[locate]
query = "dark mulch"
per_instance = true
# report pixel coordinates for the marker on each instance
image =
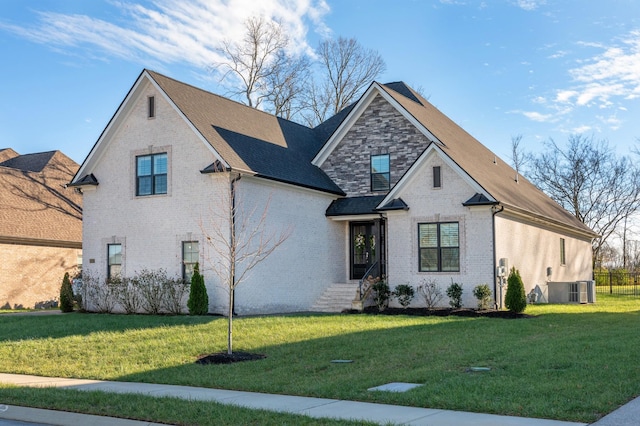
(442, 312)
(225, 358)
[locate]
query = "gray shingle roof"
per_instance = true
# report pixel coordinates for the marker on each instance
(249, 139)
(482, 165)
(35, 204)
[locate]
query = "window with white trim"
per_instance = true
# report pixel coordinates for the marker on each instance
(563, 255)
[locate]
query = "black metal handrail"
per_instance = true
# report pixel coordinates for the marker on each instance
(364, 277)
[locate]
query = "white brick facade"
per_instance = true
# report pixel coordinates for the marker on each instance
(151, 228)
(316, 253)
(428, 204)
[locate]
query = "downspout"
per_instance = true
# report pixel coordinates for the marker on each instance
(494, 212)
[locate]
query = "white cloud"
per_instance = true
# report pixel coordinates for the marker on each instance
(581, 129)
(611, 74)
(168, 31)
(539, 117)
(558, 54)
(530, 4)
(604, 80)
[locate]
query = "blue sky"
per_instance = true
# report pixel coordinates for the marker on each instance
(537, 68)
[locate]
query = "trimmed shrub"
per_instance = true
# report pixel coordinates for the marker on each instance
(404, 293)
(515, 300)
(198, 303)
(66, 294)
(482, 292)
(381, 294)
(430, 292)
(454, 291)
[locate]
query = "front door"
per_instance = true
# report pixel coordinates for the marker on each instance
(363, 248)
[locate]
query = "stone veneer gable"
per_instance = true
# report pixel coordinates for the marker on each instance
(381, 129)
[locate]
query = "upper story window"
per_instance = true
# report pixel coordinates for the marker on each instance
(151, 111)
(151, 174)
(437, 177)
(380, 177)
(563, 256)
(114, 260)
(439, 247)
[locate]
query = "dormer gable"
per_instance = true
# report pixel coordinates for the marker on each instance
(374, 146)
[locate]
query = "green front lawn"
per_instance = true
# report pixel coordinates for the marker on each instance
(570, 362)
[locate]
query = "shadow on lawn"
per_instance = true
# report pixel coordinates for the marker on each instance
(14, 328)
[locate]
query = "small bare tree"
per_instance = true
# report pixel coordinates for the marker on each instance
(346, 69)
(238, 237)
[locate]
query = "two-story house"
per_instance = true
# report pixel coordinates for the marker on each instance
(390, 181)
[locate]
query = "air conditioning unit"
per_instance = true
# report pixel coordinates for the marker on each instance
(578, 292)
(571, 292)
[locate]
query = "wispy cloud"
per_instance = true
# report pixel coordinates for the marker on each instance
(169, 31)
(530, 4)
(614, 73)
(604, 81)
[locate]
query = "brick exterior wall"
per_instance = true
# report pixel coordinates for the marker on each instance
(428, 204)
(32, 275)
(381, 129)
(152, 228)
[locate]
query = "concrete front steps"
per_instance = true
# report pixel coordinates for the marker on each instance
(336, 298)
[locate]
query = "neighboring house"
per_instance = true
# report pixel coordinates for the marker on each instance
(390, 181)
(40, 227)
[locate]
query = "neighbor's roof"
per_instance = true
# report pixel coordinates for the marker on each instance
(35, 206)
(251, 140)
(482, 165)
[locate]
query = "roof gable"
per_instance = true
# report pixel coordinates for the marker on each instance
(375, 89)
(240, 138)
(37, 207)
(29, 162)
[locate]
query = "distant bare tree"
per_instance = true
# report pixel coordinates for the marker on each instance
(238, 237)
(589, 180)
(346, 69)
(263, 73)
(519, 158)
(286, 86)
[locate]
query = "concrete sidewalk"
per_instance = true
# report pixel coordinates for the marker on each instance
(312, 407)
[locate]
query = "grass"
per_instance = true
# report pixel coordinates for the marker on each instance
(570, 362)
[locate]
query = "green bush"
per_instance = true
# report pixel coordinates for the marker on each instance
(198, 303)
(404, 293)
(482, 292)
(66, 294)
(516, 299)
(454, 291)
(381, 294)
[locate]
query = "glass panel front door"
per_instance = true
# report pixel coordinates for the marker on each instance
(363, 248)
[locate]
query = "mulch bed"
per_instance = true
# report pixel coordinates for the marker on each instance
(225, 358)
(442, 312)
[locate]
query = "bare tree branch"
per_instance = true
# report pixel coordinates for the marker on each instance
(589, 180)
(346, 69)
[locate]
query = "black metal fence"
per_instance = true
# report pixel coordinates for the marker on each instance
(617, 282)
